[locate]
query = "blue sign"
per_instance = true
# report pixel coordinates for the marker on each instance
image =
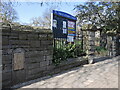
(63, 14)
(63, 25)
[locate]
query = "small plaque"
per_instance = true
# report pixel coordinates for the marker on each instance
(18, 59)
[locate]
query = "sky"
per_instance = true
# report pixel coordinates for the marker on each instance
(28, 10)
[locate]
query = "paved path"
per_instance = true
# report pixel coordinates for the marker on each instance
(102, 74)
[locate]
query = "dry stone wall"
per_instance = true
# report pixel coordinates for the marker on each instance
(25, 55)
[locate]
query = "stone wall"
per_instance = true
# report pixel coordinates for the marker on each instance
(25, 55)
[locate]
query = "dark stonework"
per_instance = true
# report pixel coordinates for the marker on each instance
(37, 56)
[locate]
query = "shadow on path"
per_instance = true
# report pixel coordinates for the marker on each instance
(100, 59)
(45, 77)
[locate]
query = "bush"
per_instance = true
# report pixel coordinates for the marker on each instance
(67, 51)
(59, 55)
(101, 50)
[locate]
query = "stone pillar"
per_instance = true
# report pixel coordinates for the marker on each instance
(114, 46)
(111, 45)
(89, 44)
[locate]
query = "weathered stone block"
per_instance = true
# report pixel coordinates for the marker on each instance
(32, 65)
(5, 40)
(42, 36)
(19, 43)
(44, 42)
(43, 63)
(13, 35)
(43, 47)
(47, 62)
(18, 76)
(32, 60)
(47, 43)
(35, 48)
(50, 67)
(6, 32)
(35, 43)
(6, 50)
(33, 36)
(46, 52)
(24, 42)
(14, 42)
(33, 71)
(6, 76)
(50, 57)
(34, 54)
(32, 76)
(43, 68)
(22, 36)
(15, 46)
(6, 84)
(6, 59)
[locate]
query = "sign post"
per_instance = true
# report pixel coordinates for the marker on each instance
(63, 25)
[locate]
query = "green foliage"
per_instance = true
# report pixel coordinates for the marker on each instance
(59, 55)
(70, 50)
(66, 51)
(104, 15)
(101, 50)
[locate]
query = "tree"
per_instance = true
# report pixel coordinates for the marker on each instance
(35, 21)
(45, 21)
(104, 15)
(7, 12)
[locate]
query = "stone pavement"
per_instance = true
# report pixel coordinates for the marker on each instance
(103, 74)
